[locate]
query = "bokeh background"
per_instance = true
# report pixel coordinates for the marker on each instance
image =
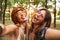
(6, 7)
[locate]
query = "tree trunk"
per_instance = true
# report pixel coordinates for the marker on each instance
(4, 12)
(1, 10)
(55, 15)
(46, 3)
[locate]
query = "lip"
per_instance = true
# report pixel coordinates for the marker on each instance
(34, 19)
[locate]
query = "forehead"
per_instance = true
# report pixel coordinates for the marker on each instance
(43, 11)
(21, 12)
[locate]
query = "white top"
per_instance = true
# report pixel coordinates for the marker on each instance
(21, 30)
(19, 37)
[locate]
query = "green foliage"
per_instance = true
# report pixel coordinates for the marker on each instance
(36, 2)
(49, 6)
(7, 15)
(9, 3)
(43, 3)
(58, 12)
(16, 1)
(50, 0)
(1, 0)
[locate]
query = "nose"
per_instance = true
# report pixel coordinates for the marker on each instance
(23, 16)
(37, 15)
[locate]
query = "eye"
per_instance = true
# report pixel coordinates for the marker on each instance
(41, 15)
(21, 15)
(39, 12)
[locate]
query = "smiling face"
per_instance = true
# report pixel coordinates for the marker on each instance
(38, 17)
(21, 16)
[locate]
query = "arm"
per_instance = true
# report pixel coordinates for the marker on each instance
(8, 29)
(0, 30)
(52, 34)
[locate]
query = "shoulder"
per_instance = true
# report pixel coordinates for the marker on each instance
(12, 26)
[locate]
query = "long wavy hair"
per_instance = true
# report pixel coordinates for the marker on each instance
(47, 19)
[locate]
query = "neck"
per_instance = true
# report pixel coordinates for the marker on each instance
(39, 27)
(23, 24)
(20, 24)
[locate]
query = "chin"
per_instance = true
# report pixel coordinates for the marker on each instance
(35, 22)
(23, 21)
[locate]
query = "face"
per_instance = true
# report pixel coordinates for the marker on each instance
(38, 17)
(21, 16)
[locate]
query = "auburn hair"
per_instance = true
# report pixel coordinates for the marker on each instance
(14, 14)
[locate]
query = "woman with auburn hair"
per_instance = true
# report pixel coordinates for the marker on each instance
(15, 13)
(17, 30)
(40, 28)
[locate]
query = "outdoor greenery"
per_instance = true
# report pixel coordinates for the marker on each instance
(50, 4)
(6, 7)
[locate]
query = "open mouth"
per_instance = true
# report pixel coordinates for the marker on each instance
(35, 19)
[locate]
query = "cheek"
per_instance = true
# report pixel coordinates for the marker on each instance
(19, 17)
(41, 19)
(33, 15)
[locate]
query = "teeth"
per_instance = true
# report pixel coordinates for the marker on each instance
(35, 18)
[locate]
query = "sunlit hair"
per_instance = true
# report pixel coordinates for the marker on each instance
(14, 14)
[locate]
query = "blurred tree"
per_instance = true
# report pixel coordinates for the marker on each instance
(1, 10)
(9, 5)
(36, 2)
(5, 5)
(59, 13)
(50, 5)
(54, 13)
(46, 3)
